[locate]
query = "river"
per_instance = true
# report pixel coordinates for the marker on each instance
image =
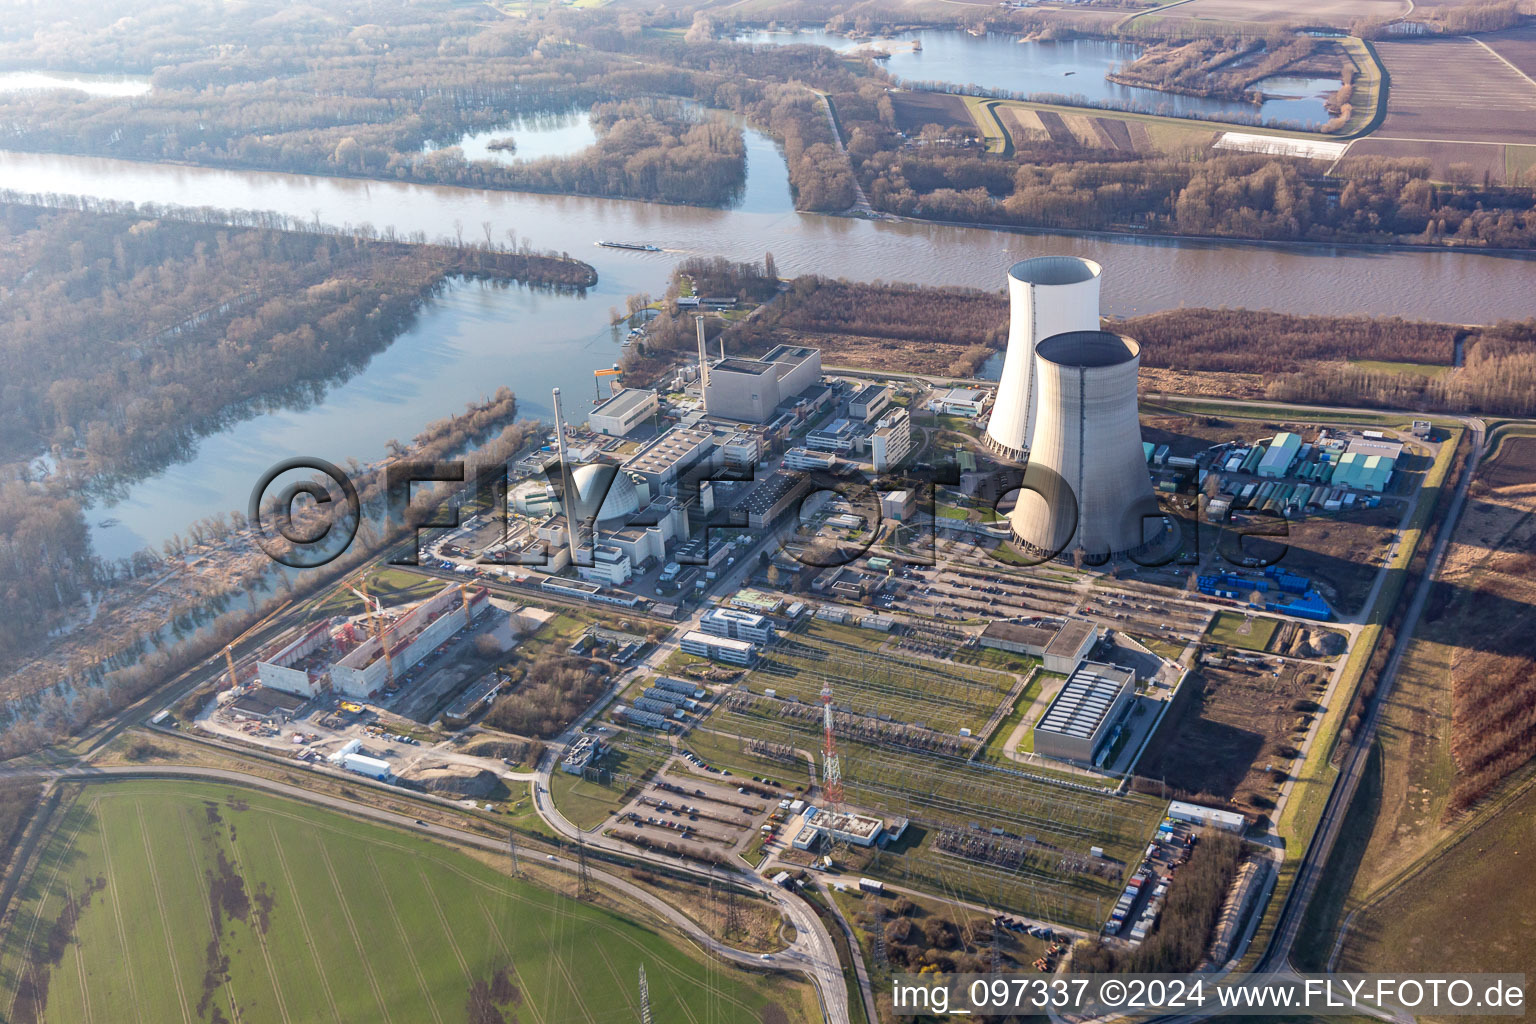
(477, 337)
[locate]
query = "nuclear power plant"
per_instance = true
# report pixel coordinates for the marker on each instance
(1047, 295)
(1087, 491)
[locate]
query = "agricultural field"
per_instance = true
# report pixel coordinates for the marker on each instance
(1454, 89)
(936, 792)
(156, 901)
(1280, 12)
(916, 108)
(1236, 720)
(1473, 908)
(1516, 45)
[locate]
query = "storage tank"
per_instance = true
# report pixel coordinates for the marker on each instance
(1047, 295)
(1087, 489)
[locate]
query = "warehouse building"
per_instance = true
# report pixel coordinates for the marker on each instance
(1060, 646)
(769, 500)
(718, 648)
(1281, 453)
(1082, 716)
(668, 456)
(623, 412)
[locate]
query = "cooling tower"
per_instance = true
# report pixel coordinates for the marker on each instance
(1047, 295)
(1086, 486)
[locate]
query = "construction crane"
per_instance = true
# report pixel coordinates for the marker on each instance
(375, 614)
(598, 375)
(832, 769)
(229, 659)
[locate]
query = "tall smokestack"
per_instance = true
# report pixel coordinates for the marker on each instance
(703, 355)
(1047, 295)
(567, 489)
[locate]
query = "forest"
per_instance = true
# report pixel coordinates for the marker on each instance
(1183, 932)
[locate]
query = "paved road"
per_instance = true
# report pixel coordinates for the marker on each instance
(812, 953)
(1316, 861)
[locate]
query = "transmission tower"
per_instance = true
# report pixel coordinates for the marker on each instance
(732, 913)
(517, 867)
(583, 877)
(645, 998)
(832, 770)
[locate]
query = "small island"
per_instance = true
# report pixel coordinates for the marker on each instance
(505, 144)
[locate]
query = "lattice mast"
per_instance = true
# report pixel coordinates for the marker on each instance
(645, 998)
(832, 769)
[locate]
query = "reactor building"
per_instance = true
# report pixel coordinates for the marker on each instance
(1086, 489)
(1047, 295)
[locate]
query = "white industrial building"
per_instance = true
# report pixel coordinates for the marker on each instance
(835, 437)
(1086, 491)
(891, 441)
(737, 624)
(959, 402)
(1083, 714)
(664, 458)
(610, 565)
(623, 412)
(718, 648)
(1047, 295)
(850, 828)
(302, 666)
(804, 458)
(411, 637)
(752, 390)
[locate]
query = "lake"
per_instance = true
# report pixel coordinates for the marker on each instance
(1068, 68)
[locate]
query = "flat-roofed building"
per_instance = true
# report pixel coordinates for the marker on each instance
(751, 390)
(853, 829)
(869, 401)
(1060, 646)
(623, 412)
(664, 458)
(1083, 714)
(769, 500)
(610, 565)
(718, 648)
(737, 624)
(959, 402)
(891, 441)
(804, 458)
(897, 505)
(835, 437)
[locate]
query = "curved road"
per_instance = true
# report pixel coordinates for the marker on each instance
(812, 953)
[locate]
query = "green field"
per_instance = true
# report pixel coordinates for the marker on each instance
(178, 902)
(1250, 632)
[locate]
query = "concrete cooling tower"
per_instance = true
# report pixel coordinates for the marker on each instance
(1047, 295)
(1091, 490)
